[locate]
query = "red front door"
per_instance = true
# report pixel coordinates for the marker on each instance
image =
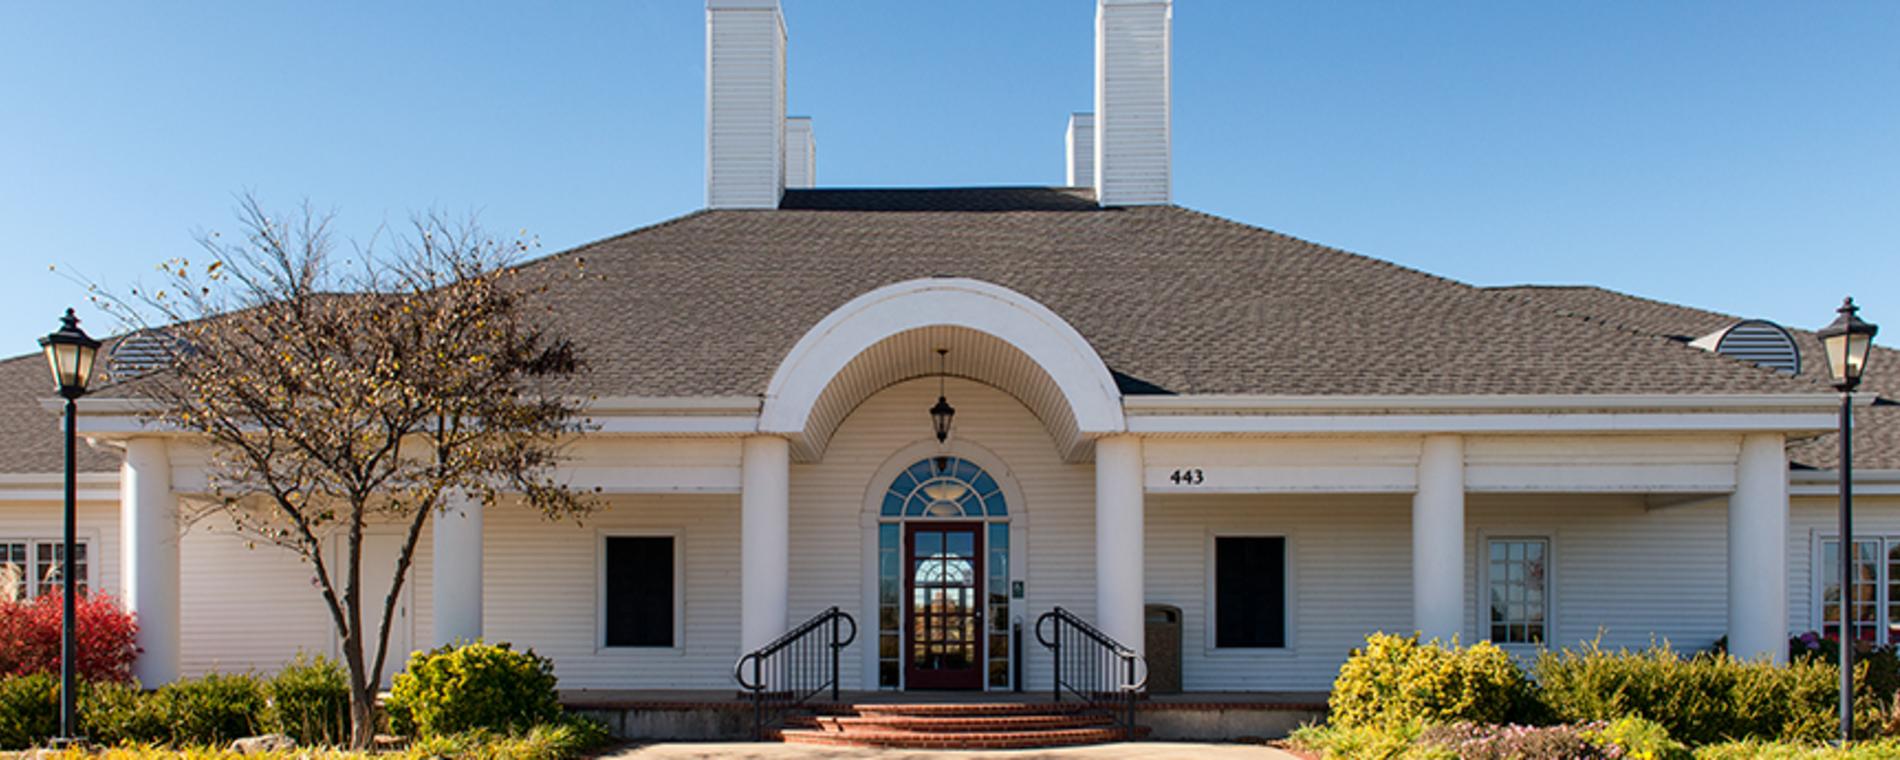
(943, 611)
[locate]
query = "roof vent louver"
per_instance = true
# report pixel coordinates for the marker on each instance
(1763, 343)
(140, 354)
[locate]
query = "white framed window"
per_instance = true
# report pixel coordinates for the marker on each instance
(1876, 603)
(30, 567)
(1517, 590)
(642, 591)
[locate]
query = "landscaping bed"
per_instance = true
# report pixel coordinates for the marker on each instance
(1399, 699)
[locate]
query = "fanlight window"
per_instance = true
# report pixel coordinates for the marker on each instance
(944, 486)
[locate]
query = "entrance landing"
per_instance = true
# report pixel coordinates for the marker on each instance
(726, 715)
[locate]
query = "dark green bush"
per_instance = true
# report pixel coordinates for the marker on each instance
(29, 710)
(487, 687)
(1701, 699)
(111, 714)
(216, 709)
(310, 701)
(1397, 679)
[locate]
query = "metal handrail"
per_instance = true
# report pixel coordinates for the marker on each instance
(1093, 666)
(796, 666)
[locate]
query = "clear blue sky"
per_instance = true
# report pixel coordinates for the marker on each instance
(1730, 155)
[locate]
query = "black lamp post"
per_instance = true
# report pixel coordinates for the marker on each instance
(70, 353)
(1848, 342)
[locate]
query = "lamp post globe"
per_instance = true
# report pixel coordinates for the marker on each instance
(70, 354)
(1847, 342)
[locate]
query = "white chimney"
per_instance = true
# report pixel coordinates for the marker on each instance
(745, 103)
(801, 153)
(1081, 142)
(1132, 45)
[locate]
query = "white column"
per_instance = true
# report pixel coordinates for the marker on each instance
(764, 539)
(1118, 540)
(1758, 550)
(148, 522)
(456, 569)
(1438, 539)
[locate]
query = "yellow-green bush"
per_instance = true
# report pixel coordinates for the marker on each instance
(1398, 679)
(473, 687)
(1701, 699)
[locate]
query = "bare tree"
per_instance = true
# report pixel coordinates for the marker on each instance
(338, 394)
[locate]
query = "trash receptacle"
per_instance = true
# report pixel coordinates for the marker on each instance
(1164, 649)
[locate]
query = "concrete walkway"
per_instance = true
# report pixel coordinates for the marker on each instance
(1130, 751)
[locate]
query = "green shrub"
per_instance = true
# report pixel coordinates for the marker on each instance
(1640, 738)
(112, 714)
(1396, 678)
(473, 687)
(565, 738)
(29, 710)
(215, 709)
(1393, 740)
(1884, 749)
(1703, 699)
(310, 701)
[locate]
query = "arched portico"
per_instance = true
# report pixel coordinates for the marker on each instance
(995, 336)
(891, 334)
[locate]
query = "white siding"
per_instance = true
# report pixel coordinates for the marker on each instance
(98, 528)
(1080, 141)
(1810, 517)
(1633, 574)
(541, 590)
(745, 104)
(829, 497)
(1132, 52)
(1350, 558)
(1620, 570)
(801, 153)
(245, 608)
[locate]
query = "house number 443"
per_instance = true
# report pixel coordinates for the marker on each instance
(1189, 477)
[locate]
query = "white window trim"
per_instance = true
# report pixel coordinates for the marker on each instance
(85, 540)
(1211, 606)
(678, 647)
(1818, 576)
(1481, 593)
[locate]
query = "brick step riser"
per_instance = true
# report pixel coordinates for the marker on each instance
(1012, 740)
(972, 710)
(963, 725)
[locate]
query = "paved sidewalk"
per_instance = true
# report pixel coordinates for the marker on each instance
(1130, 751)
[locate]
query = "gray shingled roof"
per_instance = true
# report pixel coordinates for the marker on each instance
(30, 440)
(1877, 428)
(1174, 300)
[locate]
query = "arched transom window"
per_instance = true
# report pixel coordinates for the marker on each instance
(945, 486)
(933, 492)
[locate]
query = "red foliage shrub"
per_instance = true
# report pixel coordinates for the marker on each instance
(29, 638)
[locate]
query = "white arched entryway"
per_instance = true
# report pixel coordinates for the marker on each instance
(994, 334)
(889, 520)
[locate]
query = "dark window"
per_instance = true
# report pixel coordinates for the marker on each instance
(1250, 592)
(640, 591)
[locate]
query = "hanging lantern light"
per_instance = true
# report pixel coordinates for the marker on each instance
(942, 413)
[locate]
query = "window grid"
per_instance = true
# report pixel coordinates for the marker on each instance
(1874, 589)
(31, 568)
(942, 487)
(1518, 584)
